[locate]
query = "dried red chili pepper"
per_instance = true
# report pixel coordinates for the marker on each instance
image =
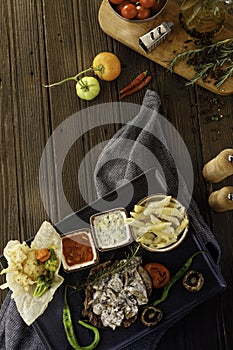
(134, 82)
(138, 87)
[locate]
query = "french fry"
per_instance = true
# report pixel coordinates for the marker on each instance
(158, 223)
(182, 226)
(138, 208)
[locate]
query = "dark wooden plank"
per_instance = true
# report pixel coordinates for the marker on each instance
(44, 42)
(64, 98)
(216, 136)
(24, 129)
(60, 51)
(9, 210)
(28, 122)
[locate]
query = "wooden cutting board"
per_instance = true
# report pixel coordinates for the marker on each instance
(128, 33)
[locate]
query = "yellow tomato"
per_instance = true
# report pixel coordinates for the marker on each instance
(107, 66)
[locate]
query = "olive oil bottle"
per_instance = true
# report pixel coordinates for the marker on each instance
(203, 18)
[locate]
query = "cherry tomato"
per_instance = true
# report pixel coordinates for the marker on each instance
(107, 66)
(157, 6)
(159, 274)
(143, 12)
(147, 3)
(87, 88)
(129, 11)
(116, 2)
(120, 6)
(134, 1)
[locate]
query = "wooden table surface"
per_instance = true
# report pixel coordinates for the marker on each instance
(46, 41)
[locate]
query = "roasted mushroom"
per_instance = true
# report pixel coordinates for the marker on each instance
(151, 316)
(193, 281)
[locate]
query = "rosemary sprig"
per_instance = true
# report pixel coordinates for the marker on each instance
(201, 74)
(214, 61)
(227, 75)
(113, 268)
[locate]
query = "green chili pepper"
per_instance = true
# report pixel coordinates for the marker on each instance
(175, 278)
(67, 323)
(69, 329)
(96, 335)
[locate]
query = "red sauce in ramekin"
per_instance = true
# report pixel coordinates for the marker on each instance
(77, 250)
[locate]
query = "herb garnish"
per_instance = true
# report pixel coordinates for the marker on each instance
(214, 61)
(108, 270)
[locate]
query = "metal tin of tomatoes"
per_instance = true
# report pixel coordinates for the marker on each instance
(155, 10)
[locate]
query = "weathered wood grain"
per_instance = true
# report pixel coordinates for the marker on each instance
(45, 41)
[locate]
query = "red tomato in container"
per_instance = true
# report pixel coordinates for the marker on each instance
(129, 11)
(116, 2)
(157, 6)
(121, 5)
(148, 3)
(142, 12)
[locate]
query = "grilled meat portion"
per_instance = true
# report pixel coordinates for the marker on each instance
(114, 299)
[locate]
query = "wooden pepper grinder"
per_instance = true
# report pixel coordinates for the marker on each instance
(220, 167)
(222, 200)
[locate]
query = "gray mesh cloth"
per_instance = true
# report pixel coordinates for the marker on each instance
(118, 162)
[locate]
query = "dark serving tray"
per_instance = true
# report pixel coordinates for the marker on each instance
(179, 302)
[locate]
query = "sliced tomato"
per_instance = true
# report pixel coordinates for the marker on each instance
(42, 254)
(159, 274)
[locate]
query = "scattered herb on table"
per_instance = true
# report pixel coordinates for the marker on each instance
(209, 61)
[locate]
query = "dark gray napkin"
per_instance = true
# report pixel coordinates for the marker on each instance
(111, 171)
(14, 333)
(118, 163)
(121, 161)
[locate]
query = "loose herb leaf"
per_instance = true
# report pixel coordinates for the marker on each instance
(214, 60)
(113, 268)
